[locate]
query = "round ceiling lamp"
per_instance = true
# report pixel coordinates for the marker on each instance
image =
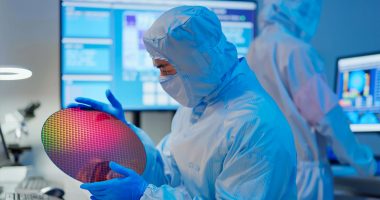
(14, 73)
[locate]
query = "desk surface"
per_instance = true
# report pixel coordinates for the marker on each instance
(347, 180)
(70, 186)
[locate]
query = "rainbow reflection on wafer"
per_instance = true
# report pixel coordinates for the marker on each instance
(82, 143)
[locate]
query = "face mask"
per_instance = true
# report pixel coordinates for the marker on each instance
(175, 87)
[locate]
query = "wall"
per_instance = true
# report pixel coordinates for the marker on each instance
(29, 32)
(29, 36)
(347, 28)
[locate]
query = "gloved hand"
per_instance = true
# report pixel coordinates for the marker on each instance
(378, 169)
(114, 109)
(131, 186)
(331, 156)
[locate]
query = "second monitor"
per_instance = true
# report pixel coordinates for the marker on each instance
(358, 89)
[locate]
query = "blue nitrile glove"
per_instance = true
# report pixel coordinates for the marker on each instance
(378, 168)
(114, 109)
(131, 186)
(331, 156)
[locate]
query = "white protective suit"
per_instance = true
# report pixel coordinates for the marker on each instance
(292, 73)
(235, 144)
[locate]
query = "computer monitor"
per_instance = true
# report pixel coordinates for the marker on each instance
(101, 47)
(358, 89)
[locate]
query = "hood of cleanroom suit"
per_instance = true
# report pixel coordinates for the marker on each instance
(191, 39)
(300, 16)
(239, 145)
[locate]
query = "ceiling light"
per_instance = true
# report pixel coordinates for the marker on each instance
(14, 73)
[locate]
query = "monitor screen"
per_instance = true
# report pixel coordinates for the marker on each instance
(101, 47)
(358, 89)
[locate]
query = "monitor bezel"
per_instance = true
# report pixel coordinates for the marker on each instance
(370, 53)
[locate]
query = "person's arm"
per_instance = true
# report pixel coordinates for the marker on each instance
(318, 104)
(256, 166)
(347, 149)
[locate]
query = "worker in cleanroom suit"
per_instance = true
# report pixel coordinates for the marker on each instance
(291, 71)
(228, 140)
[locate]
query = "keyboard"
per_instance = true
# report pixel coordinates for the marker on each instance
(32, 184)
(28, 196)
